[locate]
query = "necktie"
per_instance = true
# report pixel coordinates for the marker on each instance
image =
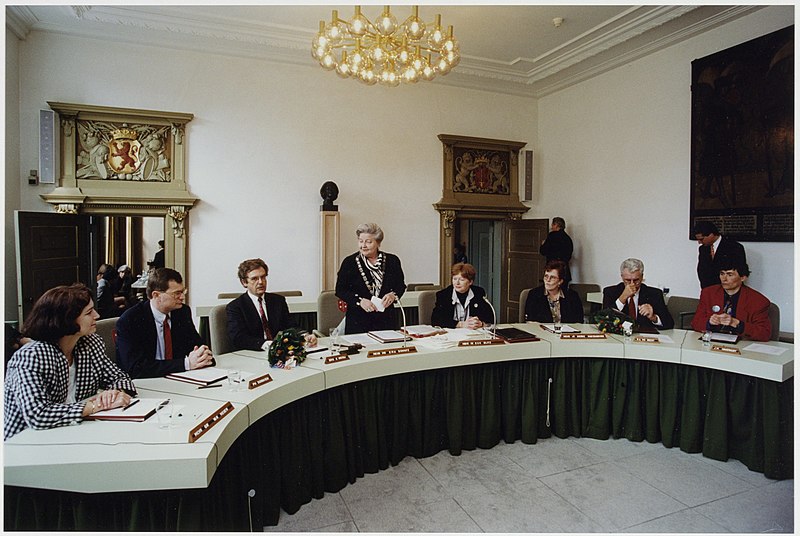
(167, 339)
(712, 250)
(264, 323)
(632, 308)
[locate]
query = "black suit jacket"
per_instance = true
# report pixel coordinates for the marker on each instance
(650, 295)
(350, 287)
(708, 268)
(538, 310)
(444, 310)
(244, 322)
(558, 246)
(137, 341)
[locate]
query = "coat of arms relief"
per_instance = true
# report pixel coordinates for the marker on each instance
(111, 151)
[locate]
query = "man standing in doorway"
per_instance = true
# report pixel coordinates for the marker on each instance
(558, 246)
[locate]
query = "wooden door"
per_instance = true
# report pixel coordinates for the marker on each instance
(52, 249)
(522, 265)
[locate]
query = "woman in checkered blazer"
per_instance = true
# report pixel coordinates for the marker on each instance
(63, 375)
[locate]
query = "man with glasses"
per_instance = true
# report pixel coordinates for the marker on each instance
(156, 337)
(637, 300)
(256, 316)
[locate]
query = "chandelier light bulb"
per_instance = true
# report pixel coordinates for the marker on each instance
(384, 51)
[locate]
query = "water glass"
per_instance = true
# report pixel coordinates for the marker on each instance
(706, 338)
(164, 415)
(334, 335)
(234, 379)
(557, 322)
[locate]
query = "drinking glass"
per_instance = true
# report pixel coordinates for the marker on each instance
(557, 322)
(706, 338)
(334, 335)
(234, 379)
(164, 415)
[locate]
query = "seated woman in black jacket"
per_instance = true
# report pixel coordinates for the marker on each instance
(550, 303)
(462, 304)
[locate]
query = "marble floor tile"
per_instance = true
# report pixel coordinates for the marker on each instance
(329, 510)
(540, 510)
(737, 469)
(683, 477)
(549, 456)
(613, 449)
(340, 527)
(687, 521)
(478, 471)
(392, 515)
(611, 497)
(407, 481)
(765, 509)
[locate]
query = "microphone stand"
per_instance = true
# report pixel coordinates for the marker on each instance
(403, 313)
(494, 316)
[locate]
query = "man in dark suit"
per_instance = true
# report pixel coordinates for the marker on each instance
(637, 300)
(156, 337)
(714, 247)
(256, 316)
(558, 246)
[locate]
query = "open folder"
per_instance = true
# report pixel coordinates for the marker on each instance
(137, 411)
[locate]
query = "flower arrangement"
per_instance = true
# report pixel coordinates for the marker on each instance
(287, 349)
(611, 320)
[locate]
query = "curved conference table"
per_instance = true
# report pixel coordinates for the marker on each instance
(318, 427)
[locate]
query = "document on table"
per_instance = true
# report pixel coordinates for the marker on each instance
(665, 338)
(562, 329)
(764, 349)
(360, 338)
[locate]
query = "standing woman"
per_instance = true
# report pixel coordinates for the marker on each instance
(63, 374)
(550, 302)
(106, 279)
(366, 274)
(462, 304)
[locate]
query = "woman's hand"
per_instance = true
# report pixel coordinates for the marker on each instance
(113, 398)
(389, 299)
(472, 322)
(367, 305)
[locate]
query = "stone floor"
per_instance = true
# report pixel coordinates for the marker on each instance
(556, 485)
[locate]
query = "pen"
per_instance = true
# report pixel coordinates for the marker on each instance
(131, 404)
(210, 386)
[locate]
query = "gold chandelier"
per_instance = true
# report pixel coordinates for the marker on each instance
(385, 51)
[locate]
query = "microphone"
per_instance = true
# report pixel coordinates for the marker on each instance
(402, 312)
(716, 309)
(494, 317)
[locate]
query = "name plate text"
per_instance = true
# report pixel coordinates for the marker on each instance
(651, 340)
(258, 382)
(336, 358)
(392, 351)
(583, 336)
(481, 342)
(725, 349)
(198, 431)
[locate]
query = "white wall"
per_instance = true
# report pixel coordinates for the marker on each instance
(264, 139)
(12, 173)
(614, 157)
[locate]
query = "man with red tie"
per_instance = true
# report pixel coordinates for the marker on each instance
(713, 247)
(256, 316)
(637, 300)
(157, 337)
(731, 307)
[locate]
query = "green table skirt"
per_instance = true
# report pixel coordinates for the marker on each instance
(325, 441)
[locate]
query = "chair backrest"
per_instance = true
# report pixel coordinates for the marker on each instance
(413, 286)
(105, 328)
(775, 319)
(523, 297)
(682, 309)
(328, 314)
(428, 286)
(287, 292)
(218, 326)
(228, 295)
(425, 303)
(582, 289)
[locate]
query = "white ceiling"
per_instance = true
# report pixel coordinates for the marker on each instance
(512, 49)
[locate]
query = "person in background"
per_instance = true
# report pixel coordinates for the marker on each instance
(637, 300)
(156, 337)
(106, 279)
(255, 317)
(558, 246)
(552, 302)
(460, 253)
(63, 375)
(731, 307)
(366, 274)
(713, 247)
(158, 258)
(462, 304)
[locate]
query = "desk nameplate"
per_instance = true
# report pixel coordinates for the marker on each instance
(198, 431)
(392, 351)
(336, 358)
(725, 349)
(649, 340)
(258, 382)
(481, 342)
(584, 336)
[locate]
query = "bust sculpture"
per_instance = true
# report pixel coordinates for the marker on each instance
(329, 193)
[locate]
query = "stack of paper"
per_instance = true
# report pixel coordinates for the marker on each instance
(203, 376)
(388, 335)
